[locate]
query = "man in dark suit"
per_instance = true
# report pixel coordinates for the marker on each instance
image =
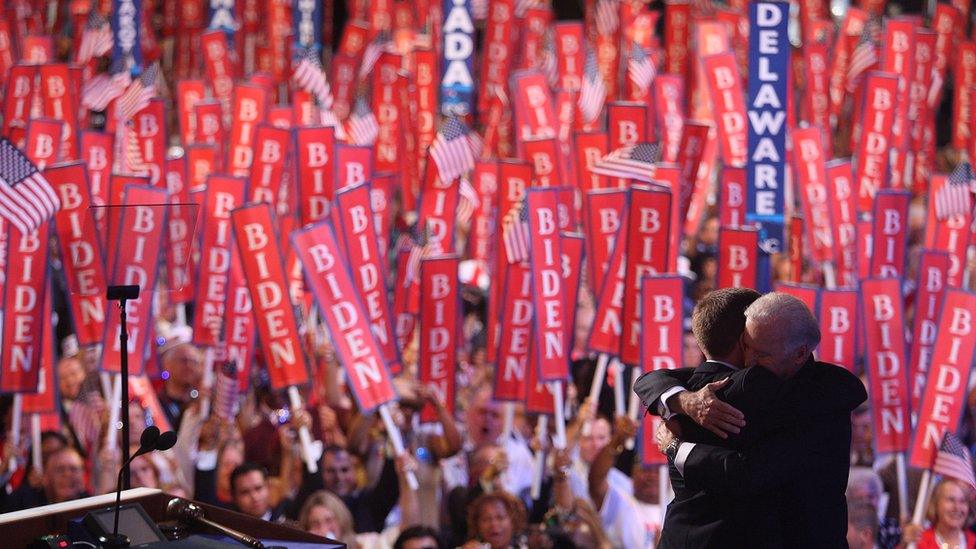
(778, 481)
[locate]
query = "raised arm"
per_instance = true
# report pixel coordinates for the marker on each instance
(623, 429)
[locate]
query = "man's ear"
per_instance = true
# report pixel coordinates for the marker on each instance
(800, 354)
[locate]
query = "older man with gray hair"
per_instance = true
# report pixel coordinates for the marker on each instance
(783, 477)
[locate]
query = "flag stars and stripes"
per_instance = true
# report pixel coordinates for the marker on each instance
(640, 68)
(593, 92)
(952, 460)
(451, 150)
(955, 196)
(515, 233)
(631, 161)
(27, 199)
(863, 58)
(310, 77)
(363, 127)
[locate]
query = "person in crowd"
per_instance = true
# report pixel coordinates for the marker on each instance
(418, 537)
(250, 493)
(496, 520)
(865, 486)
(324, 514)
(618, 510)
(862, 525)
(797, 415)
(862, 450)
(31, 491)
(63, 480)
(949, 512)
(184, 364)
(369, 505)
(647, 488)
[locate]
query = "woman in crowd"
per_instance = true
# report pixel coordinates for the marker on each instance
(497, 520)
(949, 513)
(325, 515)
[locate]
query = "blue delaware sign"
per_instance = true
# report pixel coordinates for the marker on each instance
(457, 86)
(127, 49)
(769, 57)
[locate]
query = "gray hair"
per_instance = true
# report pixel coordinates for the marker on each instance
(790, 315)
(860, 476)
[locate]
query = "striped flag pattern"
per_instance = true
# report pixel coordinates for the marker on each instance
(631, 161)
(420, 247)
(470, 201)
(96, 38)
(607, 18)
(515, 233)
(137, 95)
(594, 91)
(640, 68)
(26, 197)
(451, 150)
(953, 460)
(363, 127)
(310, 77)
(98, 92)
(863, 58)
(225, 391)
(382, 44)
(955, 196)
(85, 420)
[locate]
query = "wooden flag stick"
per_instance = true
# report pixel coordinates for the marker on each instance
(830, 276)
(36, 443)
(902, 484)
(304, 435)
(663, 488)
(619, 402)
(207, 382)
(509, 425)
(557, 397)
(598, 376)
(633, 406)
(397, 440)
(114, 411)
(920, 501)
(16, 419)
(539, 459)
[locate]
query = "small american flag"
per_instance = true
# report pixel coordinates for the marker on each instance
(594, 90)
(85, 420)
(451, 150)
(550, 65)
(420, 248)
(953, 460)
(382, 44)
(225, 391)
(137, 95)
(631, 161)
(607, 18)
(640, 68)
(98, 92)
(363, 127)
(26, 197)
(328, 118)
(477, 143)
(864, 56)
(133, 161)
(96, 38)
(515, 233)
(954, 197)
(521, 6)
(310, 77)
(470, 201)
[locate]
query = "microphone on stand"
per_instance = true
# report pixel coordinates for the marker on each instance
(150, 440)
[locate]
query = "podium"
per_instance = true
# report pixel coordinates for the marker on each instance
(20, 527)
